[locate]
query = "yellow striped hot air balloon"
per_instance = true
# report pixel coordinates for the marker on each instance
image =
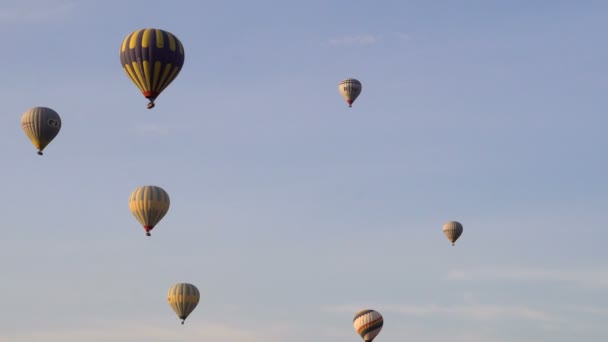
(452, 231)
(149, 204)
(41, 125)
(183, 298)
(350, 89)
(368, 324)
(152, 58)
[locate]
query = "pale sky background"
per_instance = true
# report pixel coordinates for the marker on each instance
(289, 210)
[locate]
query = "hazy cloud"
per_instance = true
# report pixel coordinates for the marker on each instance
(403, 36)
(367, 39)
(151, 129)
(34, 10)
(554, 321)
(362, 39)
(597, 278)
(590, 310)
(475, 312)
(145, 332)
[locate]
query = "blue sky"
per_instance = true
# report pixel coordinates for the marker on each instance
(289, 210)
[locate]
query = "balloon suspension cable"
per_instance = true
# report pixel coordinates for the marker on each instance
(150, 105)
(39, 153)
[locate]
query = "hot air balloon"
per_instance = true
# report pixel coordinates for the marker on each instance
(452, 230)
(350, 89)
(41, 125)
(149, 204)
(183, 298)
(152, 58)
(368, 324)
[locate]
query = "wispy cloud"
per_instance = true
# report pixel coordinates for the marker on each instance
(412, 333)
(597, 311)
(554, 320)
(367, 39)
(362, 39)
(474, 312)
(442, 336)
(403, 36)
(597, 278)
(18, 11)
(146, 332)
(151, 129)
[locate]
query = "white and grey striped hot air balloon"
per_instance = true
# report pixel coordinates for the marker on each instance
(368, 324)
(452, 231)
(350, 89)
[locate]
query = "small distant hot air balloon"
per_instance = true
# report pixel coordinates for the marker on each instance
(149, 204)
(183, 298)
(350, 89)
(368, 324)
(152, 58)
(41, 125)
(452, 230)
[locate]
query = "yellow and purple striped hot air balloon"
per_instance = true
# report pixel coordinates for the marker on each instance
(41, 125)
(183, 298)
(152, 58)
(368, 324)
(149, 204)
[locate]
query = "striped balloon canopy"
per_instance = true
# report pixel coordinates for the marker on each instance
(152, 58)
(452, 231)
(183, 299)
(350, 89)
(368, 324)
(149, 204)
(41, 125)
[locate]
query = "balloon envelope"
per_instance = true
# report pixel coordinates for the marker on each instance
(41, 125)
(183, 298)
(152, 58)
(350, 89)
(368, 324)
(149, 204)
(452, 231)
